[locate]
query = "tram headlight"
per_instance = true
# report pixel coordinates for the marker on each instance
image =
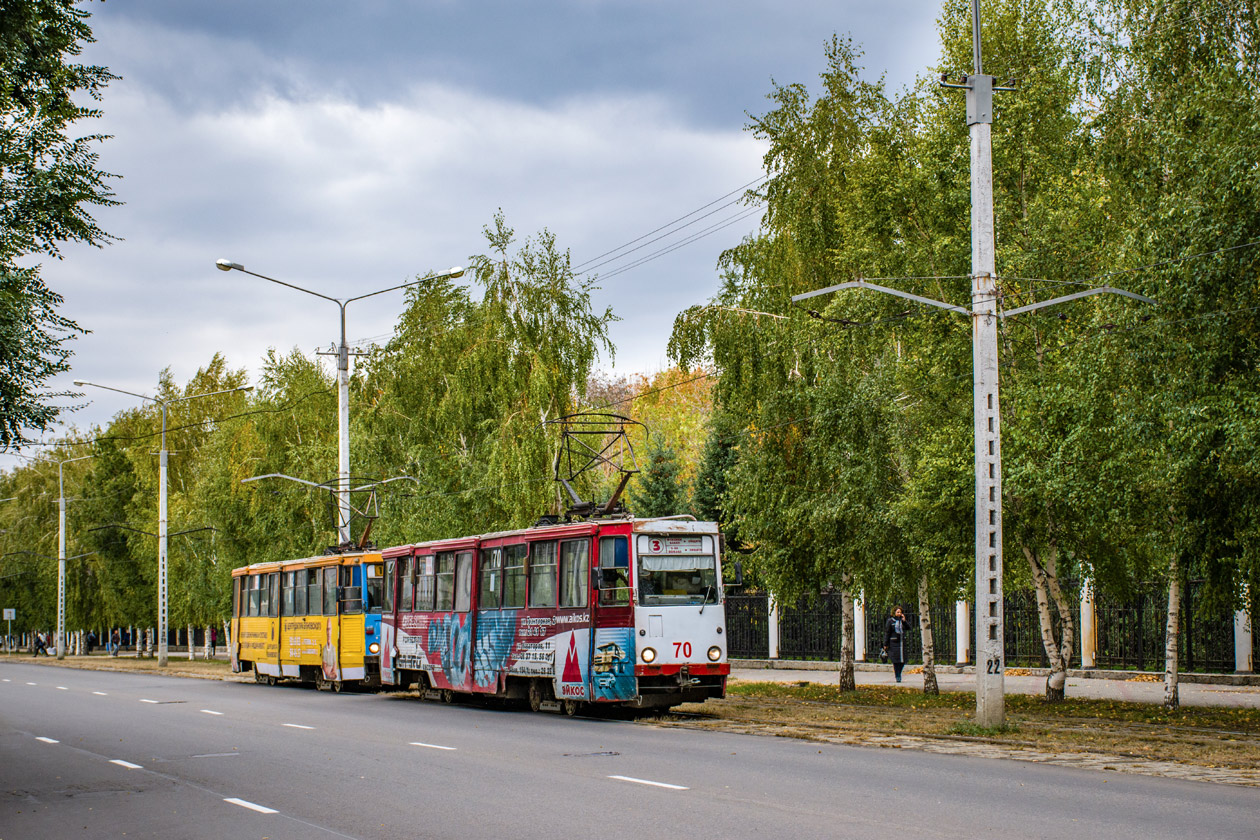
(649, 655)
(376, 648)
(715, 653)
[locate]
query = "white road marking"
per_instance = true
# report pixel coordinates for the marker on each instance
(32, 683)
(126, 764)
(646, 782)
(211, 712)
(100, 694)
(47, 740)
(431, 746)
(296, 726)
(7, 679)
(142, 700)
(62, 688)
(251, 806)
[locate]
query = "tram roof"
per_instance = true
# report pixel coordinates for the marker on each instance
(645, 525)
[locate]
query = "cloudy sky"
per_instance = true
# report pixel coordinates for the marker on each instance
(348, 147)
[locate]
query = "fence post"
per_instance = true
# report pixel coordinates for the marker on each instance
(859, 627)
(772, 626)
(1089, 626)
(962, 632)
(1243, 663)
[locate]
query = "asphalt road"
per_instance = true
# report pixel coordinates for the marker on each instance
(99, 754)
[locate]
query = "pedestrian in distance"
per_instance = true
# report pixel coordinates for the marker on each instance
(40, 645)
(115, 642)
(895, 641)
(214, 640)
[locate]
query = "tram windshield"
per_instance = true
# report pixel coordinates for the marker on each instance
(677, 570)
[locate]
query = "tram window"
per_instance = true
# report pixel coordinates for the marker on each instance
(406, 571)
(236, 597)
(351, 595)
(329, 576)
(574, 572)
(490, 590)
(514, 576)
(373, 587)
(390, 584)
(614, 571)
(463, 581)
(255, 595)
(312, 591)
(445, 581)
(286, 593)
(426, 582)
(299, 592)
(542, 574)
(273, 591)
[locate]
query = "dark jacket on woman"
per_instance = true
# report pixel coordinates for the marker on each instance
(895, 630)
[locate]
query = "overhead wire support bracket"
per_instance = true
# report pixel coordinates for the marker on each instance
(862, 284)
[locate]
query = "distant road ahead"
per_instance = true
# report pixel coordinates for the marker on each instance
(99, 754)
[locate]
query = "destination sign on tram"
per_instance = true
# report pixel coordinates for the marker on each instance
(676, 545)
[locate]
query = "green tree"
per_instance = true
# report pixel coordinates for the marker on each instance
(49, 181)
(656, 490)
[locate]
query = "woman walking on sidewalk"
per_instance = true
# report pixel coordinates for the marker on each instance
(895, 641)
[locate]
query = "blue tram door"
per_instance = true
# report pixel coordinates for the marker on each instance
(612, 623)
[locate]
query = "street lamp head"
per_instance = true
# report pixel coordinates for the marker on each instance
(228, 265)
(456, 271)
(79, 383)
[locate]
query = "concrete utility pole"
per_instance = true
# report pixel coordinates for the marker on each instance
(61, 554)
(984, 312)
(342, 352)
(163, 647)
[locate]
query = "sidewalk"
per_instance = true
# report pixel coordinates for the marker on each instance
(1131, 690)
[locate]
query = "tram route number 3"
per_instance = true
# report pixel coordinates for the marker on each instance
(993, 666)
(682, 649)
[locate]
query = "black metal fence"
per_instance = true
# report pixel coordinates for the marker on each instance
(748, 626)
(1130, 633)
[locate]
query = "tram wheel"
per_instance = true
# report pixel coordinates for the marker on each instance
(572, 707)
(259, 677)
(272, 680)
(321, 682)
(448, 696)
(338, 686)
(535, 695)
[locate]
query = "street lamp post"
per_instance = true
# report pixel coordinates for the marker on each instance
(61, 554)
(343, 380)
(162, 645)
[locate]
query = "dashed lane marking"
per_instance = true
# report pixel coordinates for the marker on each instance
(143, 700)
(100, 694)
(126, 764)
(251, 806)
(210, 712)
(648, 782)
(62, 688)
(32, 683)
(431, 746)
(296, 726)
(47, 740)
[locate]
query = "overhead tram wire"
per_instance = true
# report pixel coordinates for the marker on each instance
(675, 246)
(596, 262)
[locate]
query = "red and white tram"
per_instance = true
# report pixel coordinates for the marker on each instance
(617, 611)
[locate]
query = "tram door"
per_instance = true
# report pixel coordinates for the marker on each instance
(612, 625)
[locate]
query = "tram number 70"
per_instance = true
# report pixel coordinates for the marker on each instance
(682, 649)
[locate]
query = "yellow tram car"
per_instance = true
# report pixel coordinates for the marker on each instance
(315, 619)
